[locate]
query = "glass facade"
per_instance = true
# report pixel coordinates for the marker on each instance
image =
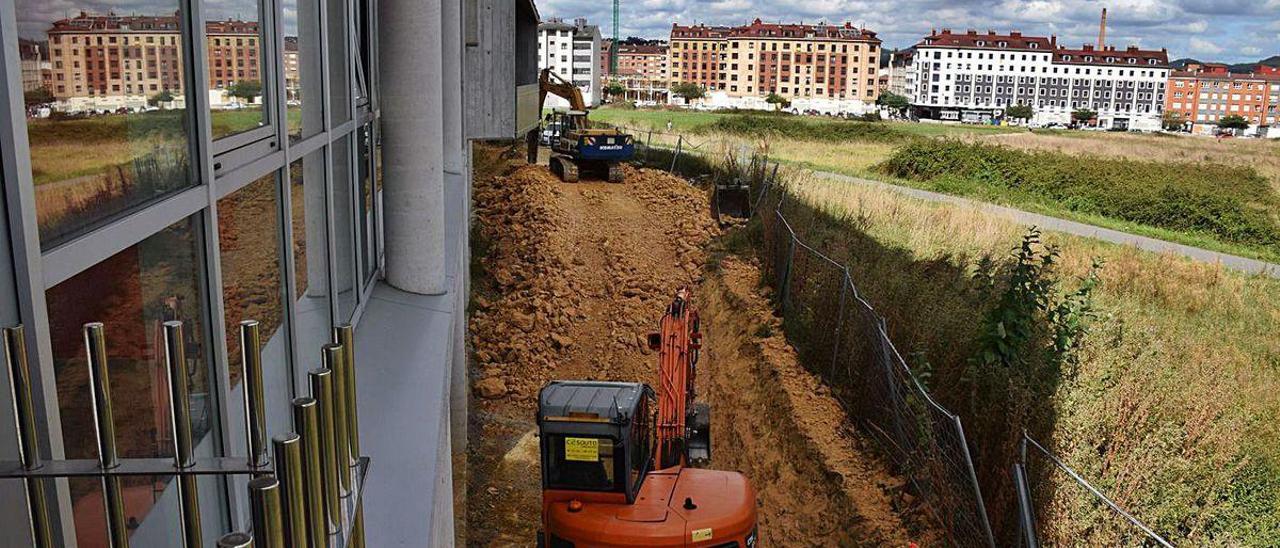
(186, 160)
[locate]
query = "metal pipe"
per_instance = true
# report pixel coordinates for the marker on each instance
(255, 406)
(306, 419)
(15, 356)
(175, 360)
(322, 391)
(345, 335)
(104, 427)
(264, 502)
(335, 360)
(235, 540)
(288, 452)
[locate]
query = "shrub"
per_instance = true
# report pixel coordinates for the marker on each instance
(790, 127)
(1233, 204)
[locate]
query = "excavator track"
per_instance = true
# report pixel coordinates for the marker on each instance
(564, 168)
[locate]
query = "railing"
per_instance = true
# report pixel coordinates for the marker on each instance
(309, 497)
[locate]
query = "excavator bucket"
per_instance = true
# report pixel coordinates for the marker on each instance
(732, 199)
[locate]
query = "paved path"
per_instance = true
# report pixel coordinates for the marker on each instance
(1234, 262)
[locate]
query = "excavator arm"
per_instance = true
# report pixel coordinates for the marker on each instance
(550, 82)
(677, 342)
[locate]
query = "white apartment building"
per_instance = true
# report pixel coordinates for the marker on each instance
(974, 77)
(571, 51)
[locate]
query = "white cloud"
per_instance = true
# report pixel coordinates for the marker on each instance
(1202, 46)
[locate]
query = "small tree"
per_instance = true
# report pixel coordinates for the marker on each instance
(1173, 121)
(614, 88)
(1083, 115)
(779, 102)
(248, 90)
(688, 91)
(37, 97)
(1232, 122)
(1020, 112)
(894, 102)
(165, 96)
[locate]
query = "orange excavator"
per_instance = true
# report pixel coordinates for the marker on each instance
(620, 461)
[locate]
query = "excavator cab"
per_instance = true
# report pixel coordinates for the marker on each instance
(600, 485)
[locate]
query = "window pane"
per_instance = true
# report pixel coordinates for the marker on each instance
(106, 119)
(344, 228)
(234, 40)
(302, 68)
(253, 289)
(310, 255)
(339, 62)
(368, 263)
(132, 293)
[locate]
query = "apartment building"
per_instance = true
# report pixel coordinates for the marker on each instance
(34, 58)
(974, 76)
(830, 67)
(1203, 94)
(901, 72)
(292, 71)
(572, 51)
(642, 71)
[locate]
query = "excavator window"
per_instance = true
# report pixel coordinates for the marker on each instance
(585, 463)
(642, 443)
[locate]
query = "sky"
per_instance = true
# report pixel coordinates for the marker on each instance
(1232, 31)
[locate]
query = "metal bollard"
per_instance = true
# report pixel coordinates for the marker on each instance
(255, 405)
(235, 540)
(264, 501)
(105, 429)
(15, 356)
(288, 454)
(345, 335)
(175, 360)
(322, 391)
(335, 360)
(306, 418)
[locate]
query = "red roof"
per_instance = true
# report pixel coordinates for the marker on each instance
(1088, 55)
(990, 40)
(112, 23)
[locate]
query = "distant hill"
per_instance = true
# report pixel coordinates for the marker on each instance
(1273, 61)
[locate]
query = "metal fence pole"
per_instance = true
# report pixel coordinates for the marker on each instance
(264, 500)
(345, 335)
(676, 156)
(175, 359)
(15, 356)
(322, 391)
(104, 426)
(306, 419)
(784, 286)
(835, 346)
(1026, 513)
(334, 359)
(288, 453)
(973, 477)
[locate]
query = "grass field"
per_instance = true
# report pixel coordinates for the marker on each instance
(863, 158)
(1170, 409)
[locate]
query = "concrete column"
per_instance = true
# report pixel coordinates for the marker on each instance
(413, 148)
(451, 75)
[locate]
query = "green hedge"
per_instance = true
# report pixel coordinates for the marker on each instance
(1234, 204)
(805, 129)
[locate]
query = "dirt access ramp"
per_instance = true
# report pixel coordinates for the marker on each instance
(573, 278)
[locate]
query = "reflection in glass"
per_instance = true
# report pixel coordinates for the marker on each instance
(105, 110)
(133, 292)
(339, 62)
(368, 264)
(344, 228)
(302, 68)
(253, 283)
(311, 274)
(234, 46)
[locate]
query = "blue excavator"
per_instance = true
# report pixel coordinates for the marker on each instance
(577, 148)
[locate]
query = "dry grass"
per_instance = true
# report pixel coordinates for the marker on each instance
(1262, 155)
(1173, 410)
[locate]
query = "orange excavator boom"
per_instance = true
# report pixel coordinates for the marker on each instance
(550, 82)
(678, 342)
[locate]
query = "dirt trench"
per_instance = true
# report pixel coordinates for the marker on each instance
(572, 278)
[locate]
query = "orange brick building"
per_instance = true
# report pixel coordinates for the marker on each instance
(1204, 94)
(833, 62)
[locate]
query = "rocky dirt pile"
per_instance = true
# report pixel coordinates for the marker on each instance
(534, 300)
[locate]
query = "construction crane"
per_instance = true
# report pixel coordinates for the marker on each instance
(613, 51)
(575, 145)
(618, 459)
